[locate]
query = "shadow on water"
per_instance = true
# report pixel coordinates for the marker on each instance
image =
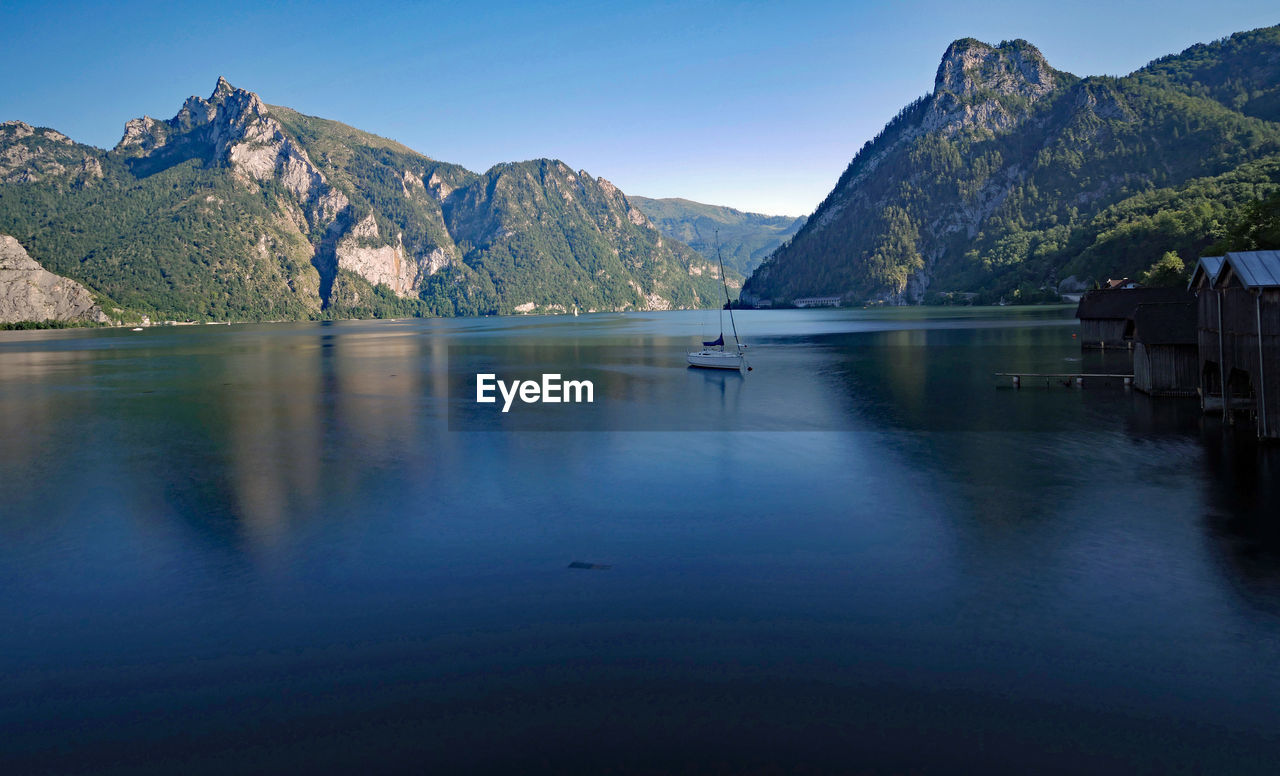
(1242, 517)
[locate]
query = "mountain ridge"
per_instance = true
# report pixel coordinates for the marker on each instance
(238, 209)
(1012, 177)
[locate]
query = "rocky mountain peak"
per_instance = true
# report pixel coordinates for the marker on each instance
(227, 112)
(234, 127)
(987, 86)
(971, 67)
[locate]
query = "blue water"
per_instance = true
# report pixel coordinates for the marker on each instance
(301, 548)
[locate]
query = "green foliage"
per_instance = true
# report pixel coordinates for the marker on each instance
(1168, 271)
(48, 324)
(540, 234)
(185, 243)
(1242, 72)
(1256, 227)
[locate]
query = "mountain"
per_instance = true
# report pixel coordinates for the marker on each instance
(745, 238)
(236, 209)
(1011, 177)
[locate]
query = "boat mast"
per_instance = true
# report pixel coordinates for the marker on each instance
(727, 303)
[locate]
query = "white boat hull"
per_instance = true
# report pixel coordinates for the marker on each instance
(716, 359)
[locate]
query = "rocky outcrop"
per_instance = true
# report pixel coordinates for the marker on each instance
(29, 292)
(29, 154)
(971, 67)
(142, 135)
(361, 250)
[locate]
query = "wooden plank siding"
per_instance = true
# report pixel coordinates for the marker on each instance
(1105, 333)
(1166, 370)
(1252, 366)
(1210, 358)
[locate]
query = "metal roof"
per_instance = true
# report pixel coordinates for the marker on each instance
(1210, 266)
(1255, 269)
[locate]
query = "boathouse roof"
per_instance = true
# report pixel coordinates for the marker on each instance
(1165, 323)
(1122, 303)
(1253, 269)
(1208, 268)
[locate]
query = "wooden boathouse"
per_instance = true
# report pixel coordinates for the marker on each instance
(1165, 357)
(1238, 314)
(1107, 314)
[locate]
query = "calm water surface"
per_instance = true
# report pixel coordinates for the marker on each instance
(301, 548)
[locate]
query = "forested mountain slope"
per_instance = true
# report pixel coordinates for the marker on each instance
(1011, 176)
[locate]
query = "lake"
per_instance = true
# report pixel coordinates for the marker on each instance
(302, 548)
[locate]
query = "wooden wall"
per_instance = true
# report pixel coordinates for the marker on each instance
(1166, 370)
(1103, 332)
(1240, 346)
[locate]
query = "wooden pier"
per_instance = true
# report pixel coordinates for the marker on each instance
(1066, 378)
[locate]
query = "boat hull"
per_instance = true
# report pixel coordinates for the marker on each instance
(715, 359)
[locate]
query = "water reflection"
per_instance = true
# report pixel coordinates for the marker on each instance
(276, 523)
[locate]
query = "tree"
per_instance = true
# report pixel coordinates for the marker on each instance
(1168, 271)
(1256, 228)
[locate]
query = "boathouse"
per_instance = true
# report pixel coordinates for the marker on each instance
(1239, 337)
(1107, 314)
(1165, 357)
(819, 301)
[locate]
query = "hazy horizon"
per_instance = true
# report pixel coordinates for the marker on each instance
(758, 108)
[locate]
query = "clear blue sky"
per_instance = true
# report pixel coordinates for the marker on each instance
(758, 106)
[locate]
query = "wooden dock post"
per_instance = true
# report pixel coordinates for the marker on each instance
(1066, 378)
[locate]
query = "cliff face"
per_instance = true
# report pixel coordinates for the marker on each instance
(1011, 176)
(29, 292)
(361, 251)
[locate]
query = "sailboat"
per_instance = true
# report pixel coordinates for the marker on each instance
(713, 355)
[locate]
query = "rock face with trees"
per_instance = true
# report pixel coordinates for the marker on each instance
(1012, 178)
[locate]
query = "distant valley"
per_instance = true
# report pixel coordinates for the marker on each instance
(744, 239)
